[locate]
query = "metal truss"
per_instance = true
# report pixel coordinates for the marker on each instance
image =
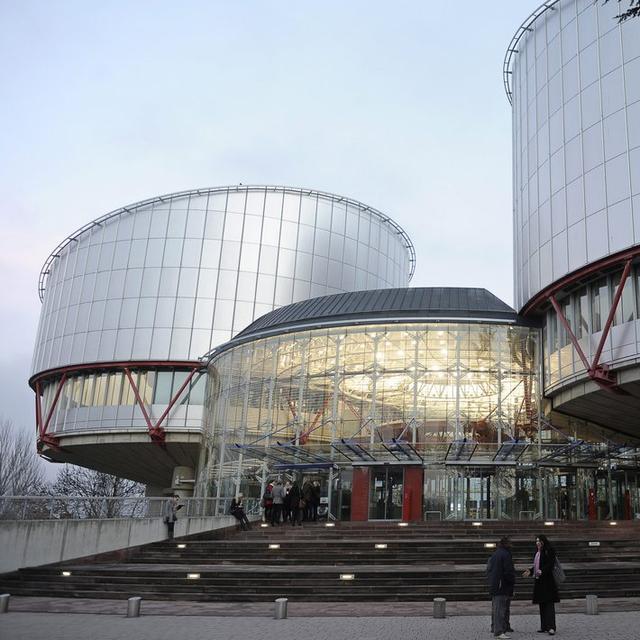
(155, 429)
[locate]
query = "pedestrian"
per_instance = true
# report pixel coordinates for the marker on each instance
(170, 509)
(307, 495)
(296, 504)
(237, 511)
(278, 501)
(501, 576)
(545, 590)
(315, 500)
(267, 502)
(286, 502)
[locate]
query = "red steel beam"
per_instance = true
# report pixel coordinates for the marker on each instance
(39, 408)
(54, 403)
(612, 313)
(176, 396)
(141, 404)
(569, 330)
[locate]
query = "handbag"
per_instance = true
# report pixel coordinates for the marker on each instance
(558, 572)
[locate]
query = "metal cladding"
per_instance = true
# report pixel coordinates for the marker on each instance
(572, 73)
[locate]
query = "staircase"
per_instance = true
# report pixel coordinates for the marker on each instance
(420, 562)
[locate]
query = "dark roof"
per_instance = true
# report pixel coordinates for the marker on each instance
(386, 304)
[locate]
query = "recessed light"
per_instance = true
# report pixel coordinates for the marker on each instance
(381, 546)
(613, 524)
(594, 544)
(476, 524)
(274, 546)
(347, 576)
(489, 545)
(182, 546)
(193, 576)
(264, 524)
(330, 524)
(403, 524)
(549, 524)
(66, 574)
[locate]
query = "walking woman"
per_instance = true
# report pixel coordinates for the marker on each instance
(545, 590)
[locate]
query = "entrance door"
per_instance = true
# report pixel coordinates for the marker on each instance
(385, 502)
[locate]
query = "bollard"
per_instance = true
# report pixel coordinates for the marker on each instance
(133, 607)
(439, 607)
(280, 612)
(592, 605)
(4, 602)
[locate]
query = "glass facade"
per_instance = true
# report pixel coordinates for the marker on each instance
(426, 383)
(170, 278)
(576, 141)
(106, 400)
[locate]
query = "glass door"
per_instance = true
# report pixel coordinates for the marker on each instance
(385, 502)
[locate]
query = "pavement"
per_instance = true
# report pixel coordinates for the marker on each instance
(17, 625)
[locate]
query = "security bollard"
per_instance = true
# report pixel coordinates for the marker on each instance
(280, 612)
(133, 607)
(439, 607)
(592, 605)
(4, 602)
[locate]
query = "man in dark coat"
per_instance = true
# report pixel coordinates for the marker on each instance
(501, 576)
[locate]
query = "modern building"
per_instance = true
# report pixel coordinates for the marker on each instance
(572, 73)
(132, 300)
(213, 341)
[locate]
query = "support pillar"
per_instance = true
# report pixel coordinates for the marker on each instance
(360, 494)
(412, 494)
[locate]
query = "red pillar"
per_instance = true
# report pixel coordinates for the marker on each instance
(412, 494)
(360, 494)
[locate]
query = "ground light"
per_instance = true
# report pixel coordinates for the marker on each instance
(403, 524)
(182, 546)
(66, 574)
(381, 546)
(330, 524)
(549, 524)
(476, 524)
(264, 524)
(347, 576)
(274, 546)
(193, 576)
(489, 545)
(613, 524)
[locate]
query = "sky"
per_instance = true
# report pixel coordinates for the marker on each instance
(397, 104)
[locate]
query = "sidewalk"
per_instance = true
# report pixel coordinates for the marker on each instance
(51, 626)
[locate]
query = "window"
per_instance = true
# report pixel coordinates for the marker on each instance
(599, 304)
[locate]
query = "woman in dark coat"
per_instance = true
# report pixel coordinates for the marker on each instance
(295, 504)
(545, 590)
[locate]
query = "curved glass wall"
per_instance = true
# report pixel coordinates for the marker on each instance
(106, 401)
(170, 278)
(428, 383)
(576, 141)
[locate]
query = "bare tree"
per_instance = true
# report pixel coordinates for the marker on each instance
(85, 486)
(632, 10)
(21, 470)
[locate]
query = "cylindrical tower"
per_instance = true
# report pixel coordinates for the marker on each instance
(572, 73)
(134, 298)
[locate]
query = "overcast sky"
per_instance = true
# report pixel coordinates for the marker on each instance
(397, 104)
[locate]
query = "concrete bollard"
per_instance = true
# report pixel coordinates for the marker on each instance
(592, 605)
(4, 602)
(133, 607)
(439, 607)
(280, 611)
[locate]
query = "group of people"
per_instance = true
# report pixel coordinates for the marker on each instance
(501, 575)
(290, 502)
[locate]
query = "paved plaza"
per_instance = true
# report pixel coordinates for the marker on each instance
(19, 625)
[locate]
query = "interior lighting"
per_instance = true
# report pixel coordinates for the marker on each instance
(347, 576)
(403, 524)
(613, 524)
(182, 546)
(381, 546)
(476, 524)
(66, 574)
(274, 546)
(330, 524)
(549, 524)
(193, 576)
(489, 545)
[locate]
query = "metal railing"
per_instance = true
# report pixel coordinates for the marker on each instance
(89, 508)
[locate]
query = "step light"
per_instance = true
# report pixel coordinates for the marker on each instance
(489, 545)
(594, 544)
(347, 576)
(613, 524)
(193, 576)
(66, 574)
(476, 524)
(182, 546)
(330, 524)
(263, 524)
(549, 523)
(403, 524)
(381, 546)
(274, 546)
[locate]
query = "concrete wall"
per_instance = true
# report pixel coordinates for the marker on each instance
(35, 542)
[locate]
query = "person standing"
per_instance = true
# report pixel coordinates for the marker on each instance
(501, 576)
(278, 500)
(545, 590)
(237, 511)
(170, 514)
(296, 504)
